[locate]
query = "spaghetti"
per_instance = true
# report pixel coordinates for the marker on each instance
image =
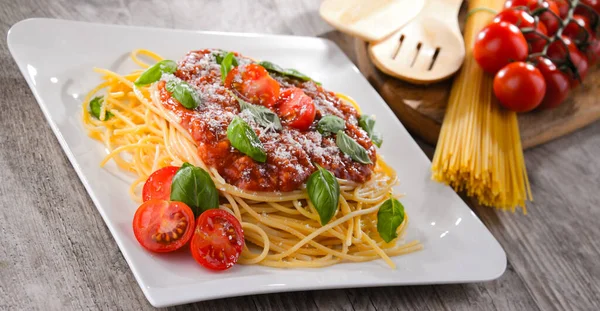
(479, 149)
(142, 135)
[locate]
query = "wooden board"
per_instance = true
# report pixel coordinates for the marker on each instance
(421, 107)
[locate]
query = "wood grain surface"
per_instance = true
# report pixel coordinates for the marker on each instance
(57, 254)
(421, 107)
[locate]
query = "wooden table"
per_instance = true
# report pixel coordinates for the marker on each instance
(56, 253)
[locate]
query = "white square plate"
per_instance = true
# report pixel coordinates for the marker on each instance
(56, 57)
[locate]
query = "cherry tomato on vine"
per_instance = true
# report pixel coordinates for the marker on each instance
(557, 83)
(163, 226)
(593, 51)
(254, 84)
(594, 4)
(218, 240)
(523, 20)
(579, 29)
(557, 53)
(563, 7)
(158, 185)
(519, 87)
(551, 21)
(499, 44)
(296, 108)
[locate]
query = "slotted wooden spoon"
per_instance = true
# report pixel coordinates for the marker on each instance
(369, 20)
(428, 49)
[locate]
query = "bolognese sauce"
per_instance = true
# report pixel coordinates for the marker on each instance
(291, 151)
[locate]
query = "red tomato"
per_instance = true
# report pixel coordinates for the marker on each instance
(499, 44)
(218, 240)
(521, 19)
(557, 53)
(296, 108)
(552, 21)
(577, 28)
(519, 87)
(563, 7)
(162, 226)
(158, 185)
(593, 51)
(254, 84)
(557, 83)
(594, 4)
(536, 42)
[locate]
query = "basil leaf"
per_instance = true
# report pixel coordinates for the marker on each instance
(286, 72)
(262, 115)
(227, 63)
(330, 124)
(350, 147)
(96, 107)
(389, 218)
(219, 56)
(367, 123)
(324, 193)
(243, 138)
(154, 73)
(183, 93)
(193, 186)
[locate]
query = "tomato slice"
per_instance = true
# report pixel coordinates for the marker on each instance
(296, 108)
(158, 185)
(163, 226)
(253, 83)
(218, 240)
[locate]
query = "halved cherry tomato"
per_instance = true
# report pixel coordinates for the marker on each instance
(577, 28)
(519, 87)
(163, 226)
(218, 240)
(557, 83)
(296, 108)
(499, 44)
(158, 185)
(253, 83)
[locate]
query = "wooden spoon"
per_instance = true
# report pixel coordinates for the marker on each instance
(369, 20)
(428, 49)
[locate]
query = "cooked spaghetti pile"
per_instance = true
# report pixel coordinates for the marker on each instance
(479, 149)
(142, 136)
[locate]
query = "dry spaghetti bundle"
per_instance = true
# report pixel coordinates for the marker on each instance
(479, 149)
(141, 136)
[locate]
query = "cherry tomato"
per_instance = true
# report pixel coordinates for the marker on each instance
(253, 83)
(158, 185)
(557, 83)
(523, 20)
(594, 4)
(551, 21)
(163, 226)
(519, 87)
(499, 44)
(577, 28)
(536, 42)
(593, 51)
(557, 53)
(296, 108)
(563, 7)
(218, 240)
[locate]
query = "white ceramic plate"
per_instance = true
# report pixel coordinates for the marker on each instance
(56, 57)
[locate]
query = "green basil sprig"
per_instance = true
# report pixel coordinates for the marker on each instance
(262, 115)
(389, 218)
(324, 193)
(286, 72)
(350, 147)
(330, 124)
(96, 107)
(193, 186)
(154, 73)
(220, 55)
(227, 63)
(243, 138)
(367, 123)
(183, 93)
